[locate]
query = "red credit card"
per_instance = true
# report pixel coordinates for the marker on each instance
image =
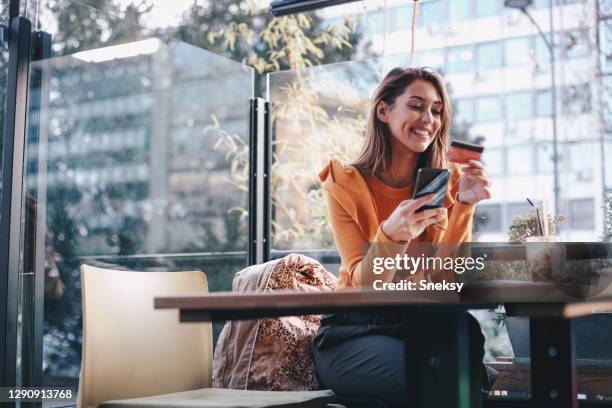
(463, 152)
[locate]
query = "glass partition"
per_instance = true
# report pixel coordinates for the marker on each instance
(140, 134)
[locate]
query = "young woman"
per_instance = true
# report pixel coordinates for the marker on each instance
(361, 355)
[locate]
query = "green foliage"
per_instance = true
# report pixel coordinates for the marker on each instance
(244, 32)
(526, 225)
(98, 23)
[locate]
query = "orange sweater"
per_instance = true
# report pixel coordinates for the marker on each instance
(358, 205)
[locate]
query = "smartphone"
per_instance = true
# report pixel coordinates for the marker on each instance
(431, 180)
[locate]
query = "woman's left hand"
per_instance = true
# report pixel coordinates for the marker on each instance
(474, 184)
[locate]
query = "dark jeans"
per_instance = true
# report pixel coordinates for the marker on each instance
(362, 355)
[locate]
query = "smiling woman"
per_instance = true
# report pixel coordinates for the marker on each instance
(372, 215)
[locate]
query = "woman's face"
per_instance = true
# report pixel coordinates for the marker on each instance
(415, 117)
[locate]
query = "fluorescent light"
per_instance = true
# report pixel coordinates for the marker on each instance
(119, 51)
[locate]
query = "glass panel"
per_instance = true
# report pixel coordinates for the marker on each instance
(519, 105)
(147, 148)
(517, 51)
(489, 55)
(460, 59)
(488, 108)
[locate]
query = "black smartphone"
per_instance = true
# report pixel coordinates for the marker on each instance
(431, 180)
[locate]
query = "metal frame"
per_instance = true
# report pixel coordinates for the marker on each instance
(259, 182)
(12, 190)
(35, 219)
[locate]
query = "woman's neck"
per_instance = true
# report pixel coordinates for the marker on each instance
(401, 172)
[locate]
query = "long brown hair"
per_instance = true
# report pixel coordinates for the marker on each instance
(375, 156)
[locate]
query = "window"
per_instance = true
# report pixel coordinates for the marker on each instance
(459, 9)
(464, 110)
(581, 215)
(514, 209)
(576, 44)
(542, 3)
(460, 59)
(488, 108)
(518, 105)
(581, 156)
(517, 51)
(431, 58)
(544, 158)
(430, 13)
(543, 103)
(488, 218)
(493, 160)
(520, 160)
(401, 18)
(488, 55)
(487, 7)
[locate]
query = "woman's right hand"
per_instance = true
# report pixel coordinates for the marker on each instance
(405, 224)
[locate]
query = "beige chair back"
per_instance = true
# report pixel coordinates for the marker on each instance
(132, 350)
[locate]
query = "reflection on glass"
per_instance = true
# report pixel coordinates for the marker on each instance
(517, 51)
(460, 59)
(147, 145)
(489, 55)
(488, 108)
(519, 105)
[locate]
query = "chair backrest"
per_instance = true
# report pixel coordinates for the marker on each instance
(132, 350)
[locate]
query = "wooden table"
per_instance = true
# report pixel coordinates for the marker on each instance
(437, 358)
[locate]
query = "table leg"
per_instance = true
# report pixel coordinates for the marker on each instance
(553, 363)
(437, 359)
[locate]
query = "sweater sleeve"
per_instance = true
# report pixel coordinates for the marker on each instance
(356, 252)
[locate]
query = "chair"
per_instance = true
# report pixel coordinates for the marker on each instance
(136, 356)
